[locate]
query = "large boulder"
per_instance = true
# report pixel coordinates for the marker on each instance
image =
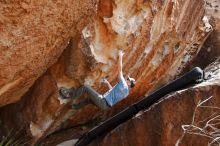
(186, 117)
(33, 36)
(158, 37)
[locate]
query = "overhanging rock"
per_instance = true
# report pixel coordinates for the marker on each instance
(159, 39)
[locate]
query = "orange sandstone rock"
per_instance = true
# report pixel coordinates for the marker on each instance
(33, 36)
(158, 37)
(185, 117)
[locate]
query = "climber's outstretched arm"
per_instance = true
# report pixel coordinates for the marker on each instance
(120, 55)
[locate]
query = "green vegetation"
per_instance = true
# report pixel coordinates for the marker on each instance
(14, 138)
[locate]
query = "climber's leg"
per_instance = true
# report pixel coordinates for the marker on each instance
(85, 89)
(95, 97)
(74, 93)
(101, 103)
(81, 104)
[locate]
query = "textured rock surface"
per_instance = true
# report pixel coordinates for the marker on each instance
(33, 36)
(159, 38)
(210, 50)
(196, 109)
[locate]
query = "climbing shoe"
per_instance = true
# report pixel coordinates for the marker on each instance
(65, 93)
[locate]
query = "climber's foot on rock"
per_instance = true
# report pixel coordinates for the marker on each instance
(65, 93)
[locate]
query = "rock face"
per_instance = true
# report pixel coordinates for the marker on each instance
(186, 117)
(158, 37)
(213, 9)
(210, 49)
(33, 36)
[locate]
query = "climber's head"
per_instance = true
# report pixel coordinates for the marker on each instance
(131, 82)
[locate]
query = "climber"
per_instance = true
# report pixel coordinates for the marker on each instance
(110, 98)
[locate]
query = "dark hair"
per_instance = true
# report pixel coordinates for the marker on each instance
(132, 81)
